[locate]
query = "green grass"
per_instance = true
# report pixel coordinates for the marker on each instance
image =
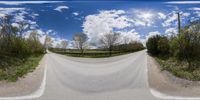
(12, 68)
(180, 68)
(92, 54)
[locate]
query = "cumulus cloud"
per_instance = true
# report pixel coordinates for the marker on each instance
(171, 31)
(161, 15)
(40, 32)
(197, 13)
(128, 36)
(42, 36)
(61, 8)
(8, 11)
(171, 18)
(196, 9)
(19, 15)
(141, 17)
(27, 2)
(105, 22)
(120, 21)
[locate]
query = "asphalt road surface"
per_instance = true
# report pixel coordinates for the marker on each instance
(116, 78)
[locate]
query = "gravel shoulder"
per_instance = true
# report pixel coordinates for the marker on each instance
(166, 83)
(25, 85)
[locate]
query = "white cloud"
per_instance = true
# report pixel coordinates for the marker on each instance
(195, 8)
(15, 25)
(75, 13)
(128, 36)
(185, 14)
(197, 13)
(161, 15)
(34, 15)
(17, 13)
(152, 34)
(42, 36)
(105, 22)
(33, 24)
(172, 17)
(8, 11)
(20, 16)
(61, 8)
(183, 2)
(49, 31)
(27, 2)
(124, 22)
(57, 42)
(171, 31)
(141, 17)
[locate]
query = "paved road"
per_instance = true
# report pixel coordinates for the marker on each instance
(117, 78)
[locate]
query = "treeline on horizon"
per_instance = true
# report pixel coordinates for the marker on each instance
(110, 43)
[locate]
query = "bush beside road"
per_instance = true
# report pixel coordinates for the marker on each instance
(18, 55)
(18, 68)
(178, 54)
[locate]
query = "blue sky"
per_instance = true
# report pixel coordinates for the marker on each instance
(136, 20)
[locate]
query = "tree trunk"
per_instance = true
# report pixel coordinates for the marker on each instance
(110, 50)
(81, 52)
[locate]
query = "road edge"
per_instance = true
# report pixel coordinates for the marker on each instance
(38, 93)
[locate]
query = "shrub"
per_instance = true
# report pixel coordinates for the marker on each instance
(163, 46)
(152, 44)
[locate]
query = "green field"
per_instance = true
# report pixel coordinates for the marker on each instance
(96, 53)
(90, 54)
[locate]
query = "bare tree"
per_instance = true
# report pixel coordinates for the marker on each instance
(109, 40)
(34, 35)
(48, 42)
(64, 44)
(6, 27)
(22, 27)
(34, 42)
(80, 40)
(7, 31)
(58, 45)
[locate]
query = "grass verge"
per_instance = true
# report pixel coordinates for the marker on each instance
(93, 54)
(180, 68)
(16, 67)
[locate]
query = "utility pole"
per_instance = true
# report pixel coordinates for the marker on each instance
(179, 23)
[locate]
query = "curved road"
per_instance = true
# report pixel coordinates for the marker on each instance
(116, 78)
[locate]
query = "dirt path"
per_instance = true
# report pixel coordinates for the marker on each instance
(25, 85)
(166, 83)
